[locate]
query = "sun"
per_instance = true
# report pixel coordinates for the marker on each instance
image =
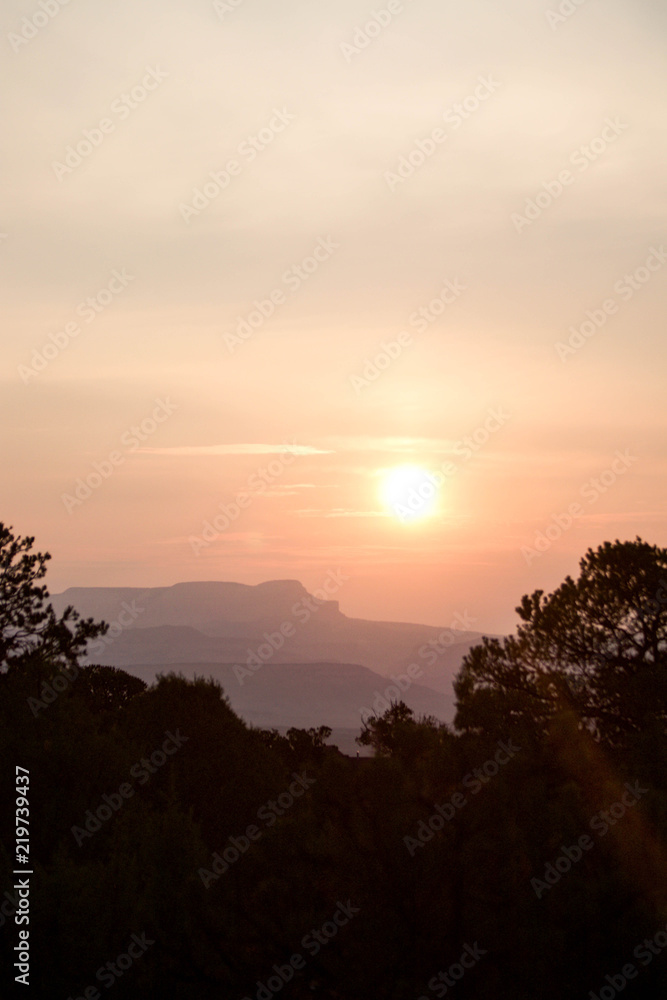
(410, 492)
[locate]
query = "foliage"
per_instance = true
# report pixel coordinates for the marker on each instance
(29, 626)
(398, 732)
(596, 648)
(434, 842)
(298, 746)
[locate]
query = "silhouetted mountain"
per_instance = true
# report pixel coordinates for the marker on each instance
(201, 625)
(195, 604)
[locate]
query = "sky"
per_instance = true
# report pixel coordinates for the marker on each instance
(273, 252)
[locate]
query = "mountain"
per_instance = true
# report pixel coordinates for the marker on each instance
(195, 604)
(279, 626)
(340, 695)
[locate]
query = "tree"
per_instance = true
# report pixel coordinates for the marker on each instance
(398, 732)
(596, 648)
(107, 689)
(30, 628)
(298, 745)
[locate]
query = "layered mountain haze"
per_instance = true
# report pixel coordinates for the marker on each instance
(284, 657)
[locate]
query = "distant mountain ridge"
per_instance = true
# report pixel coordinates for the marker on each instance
(339, 695)
(192, 604)
(192, 626)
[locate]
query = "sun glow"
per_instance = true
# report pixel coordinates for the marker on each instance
(410, 492)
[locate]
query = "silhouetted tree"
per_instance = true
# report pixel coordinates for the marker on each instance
(30, 628)
(398, 732)
(298, 746)
(106, 689)
(231, 847)
(596, 648)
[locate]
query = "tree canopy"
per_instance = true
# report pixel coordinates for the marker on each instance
(596, 647)
(29, 627)
(157, 811)
(398, 732)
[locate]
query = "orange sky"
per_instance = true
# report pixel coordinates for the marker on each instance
(229, 231)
